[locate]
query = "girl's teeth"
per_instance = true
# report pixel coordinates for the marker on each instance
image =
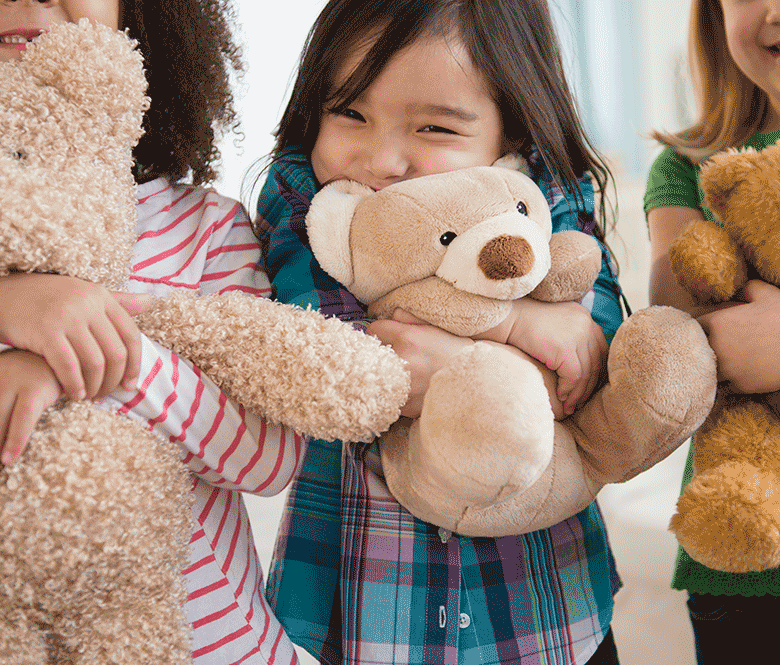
(13, 39)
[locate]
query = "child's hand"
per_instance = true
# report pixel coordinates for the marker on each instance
(28, 387)
(85, 332)
(425, 348)
(562, 336)
(746, 339)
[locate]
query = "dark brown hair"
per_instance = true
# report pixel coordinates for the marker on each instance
(512, 43)
(732, 108)
(189, 52)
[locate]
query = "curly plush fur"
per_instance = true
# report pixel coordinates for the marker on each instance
(728, 517)
(94, 520)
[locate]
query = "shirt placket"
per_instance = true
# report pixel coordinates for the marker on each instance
(444, 600)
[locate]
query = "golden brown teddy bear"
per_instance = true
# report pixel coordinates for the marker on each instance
(491, 454)
(94, 520)
(728, 517)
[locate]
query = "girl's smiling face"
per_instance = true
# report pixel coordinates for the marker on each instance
(429, 111)
(753, 39)
(22, 20)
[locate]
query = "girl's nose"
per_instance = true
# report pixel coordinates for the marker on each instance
(386, 160)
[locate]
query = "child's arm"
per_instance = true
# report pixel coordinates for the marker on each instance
(85, 332)
(28, 387)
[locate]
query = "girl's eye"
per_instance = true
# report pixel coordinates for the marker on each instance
(352, 114)
(436, 129)
(522, 208)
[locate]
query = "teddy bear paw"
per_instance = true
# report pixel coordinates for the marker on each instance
(729, 519)
(662, 383)
(486, 428)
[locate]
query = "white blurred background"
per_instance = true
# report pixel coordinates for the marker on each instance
(628, 65)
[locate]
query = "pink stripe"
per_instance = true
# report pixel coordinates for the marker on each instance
(176, 220)
(225, 640)
(234, 443)
(204, 591)
(258, 453)
(146, 198)
(171, 397)
(225, 249)
(277, 466)
(141, 392)
(214, 426)
(214, 616)
(205, 561)
(210, 277)
(194, 407)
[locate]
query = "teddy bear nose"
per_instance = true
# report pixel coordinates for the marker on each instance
(506, 257)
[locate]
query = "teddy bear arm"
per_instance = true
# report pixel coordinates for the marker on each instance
(662, 379)
(575, 265)
(707, 262)
(317, 375)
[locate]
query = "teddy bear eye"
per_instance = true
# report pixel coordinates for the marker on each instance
(446, 238)
(522, 208)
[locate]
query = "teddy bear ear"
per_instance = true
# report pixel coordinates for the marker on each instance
(514, 162)
(723, 173)
(328, 223)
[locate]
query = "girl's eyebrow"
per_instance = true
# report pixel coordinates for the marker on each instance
(446, 111)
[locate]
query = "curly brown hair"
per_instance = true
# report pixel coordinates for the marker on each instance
(189, 54)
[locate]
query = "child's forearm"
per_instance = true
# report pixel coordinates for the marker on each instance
(221, 442)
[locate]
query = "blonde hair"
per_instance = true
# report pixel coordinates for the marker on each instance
(732, 108)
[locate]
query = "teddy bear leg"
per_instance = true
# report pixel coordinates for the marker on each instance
(661, 385)
(728, 517)
(486, 429)
(22, 642)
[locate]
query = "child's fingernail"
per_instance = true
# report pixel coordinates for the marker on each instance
(130, 384)
(81, 394)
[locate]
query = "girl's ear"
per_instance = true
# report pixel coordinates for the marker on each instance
(514, 162)
(328, 223)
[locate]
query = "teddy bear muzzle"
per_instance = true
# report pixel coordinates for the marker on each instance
(503, 258)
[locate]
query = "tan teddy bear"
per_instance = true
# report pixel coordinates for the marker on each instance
(94, 520)
(491, 454)
(728, 517)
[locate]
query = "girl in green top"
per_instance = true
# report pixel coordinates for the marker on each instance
(735, 61)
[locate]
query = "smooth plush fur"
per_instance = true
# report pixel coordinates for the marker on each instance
(491, 454)
(94, 520)
(728, 517)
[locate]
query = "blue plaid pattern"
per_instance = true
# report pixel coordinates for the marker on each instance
(356, 579)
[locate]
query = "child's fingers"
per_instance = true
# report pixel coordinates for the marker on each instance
(569, 389)
(130, 338)
(64, 362)
(26, 412)
(91, 360)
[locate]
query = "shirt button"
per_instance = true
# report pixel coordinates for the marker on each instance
(465, 620)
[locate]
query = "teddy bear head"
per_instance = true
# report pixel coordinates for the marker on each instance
(453, 248)
(70, 115)
(742, 187)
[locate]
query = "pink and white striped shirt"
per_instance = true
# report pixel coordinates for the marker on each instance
(195, 239)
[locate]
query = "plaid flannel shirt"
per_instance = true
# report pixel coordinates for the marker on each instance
(357, 579)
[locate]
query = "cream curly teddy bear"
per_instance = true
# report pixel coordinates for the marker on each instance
(94, 520)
